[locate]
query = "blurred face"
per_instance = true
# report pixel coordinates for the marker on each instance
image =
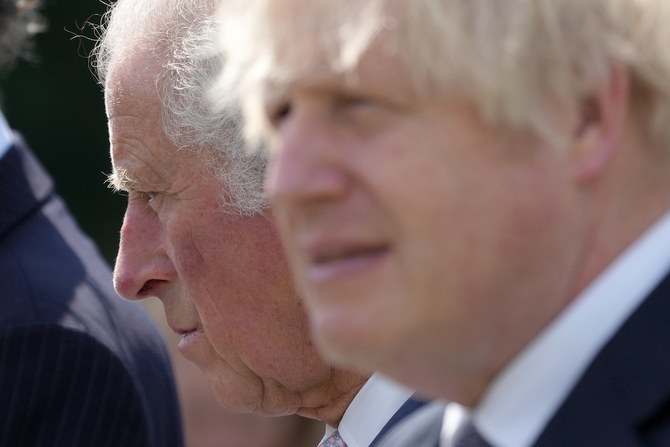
(426, 243)
(222, 279)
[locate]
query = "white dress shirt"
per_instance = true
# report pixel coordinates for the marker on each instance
(530, 389)
(5, 135)
(374, 405)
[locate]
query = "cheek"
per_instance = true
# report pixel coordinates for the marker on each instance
(203, 274)
(188, 256)
(238, 279)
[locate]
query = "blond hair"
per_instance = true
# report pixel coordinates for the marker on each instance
(509, 56)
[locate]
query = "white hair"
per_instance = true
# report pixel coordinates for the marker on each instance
(180, 33)
(513, 58)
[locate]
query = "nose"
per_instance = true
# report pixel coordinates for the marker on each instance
(142, 264)
(306, 164)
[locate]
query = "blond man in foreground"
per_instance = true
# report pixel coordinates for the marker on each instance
(474, 197)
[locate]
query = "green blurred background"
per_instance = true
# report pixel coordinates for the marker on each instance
(55, 102)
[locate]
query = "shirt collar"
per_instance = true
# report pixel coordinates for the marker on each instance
(374, 405)
(5, 135)
(525, 395)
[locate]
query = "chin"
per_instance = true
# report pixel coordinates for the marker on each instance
(349, 347)
(361, 345)
(257, 407)
(247, 401)
(276, 412)
(235, 405)
(235, 397)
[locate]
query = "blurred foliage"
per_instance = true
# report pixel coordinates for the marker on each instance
(53, 100)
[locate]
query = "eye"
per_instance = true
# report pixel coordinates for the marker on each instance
(142, 196)
(348, 106)
(355, 109)
(355, 101)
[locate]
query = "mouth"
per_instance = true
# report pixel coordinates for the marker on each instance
(334, 261)
(189, 338)
(188, 335)
(180, 330)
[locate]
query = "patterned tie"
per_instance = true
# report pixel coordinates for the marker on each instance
(334, 440)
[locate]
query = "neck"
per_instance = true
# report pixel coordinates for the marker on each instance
(624, 205)
(333, 401)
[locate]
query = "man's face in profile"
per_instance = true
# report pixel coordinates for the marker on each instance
(221, 278)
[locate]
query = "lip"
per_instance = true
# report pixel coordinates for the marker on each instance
(190, 338)
(180, 330)
(333, 260)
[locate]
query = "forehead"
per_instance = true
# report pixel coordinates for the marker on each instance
(378, 70)
(131, 83)
(139, 147)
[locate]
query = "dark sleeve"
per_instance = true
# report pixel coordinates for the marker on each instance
(60, 387)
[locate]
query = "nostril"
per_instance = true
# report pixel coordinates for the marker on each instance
(147, 288)
(127, 287)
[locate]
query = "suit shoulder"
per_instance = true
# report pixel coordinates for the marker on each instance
(63, 387)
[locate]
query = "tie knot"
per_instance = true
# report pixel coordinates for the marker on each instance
(334, 440)
(468, 436)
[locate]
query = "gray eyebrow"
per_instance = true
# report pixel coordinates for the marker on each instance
(120, 180)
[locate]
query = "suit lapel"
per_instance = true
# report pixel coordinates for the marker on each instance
(24, 185)
(622, 399)
(410, 406)
(418, 428)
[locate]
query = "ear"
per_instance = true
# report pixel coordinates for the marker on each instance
(601, 121)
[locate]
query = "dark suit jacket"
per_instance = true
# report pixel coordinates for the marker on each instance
(623, 399)
(78, 365)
